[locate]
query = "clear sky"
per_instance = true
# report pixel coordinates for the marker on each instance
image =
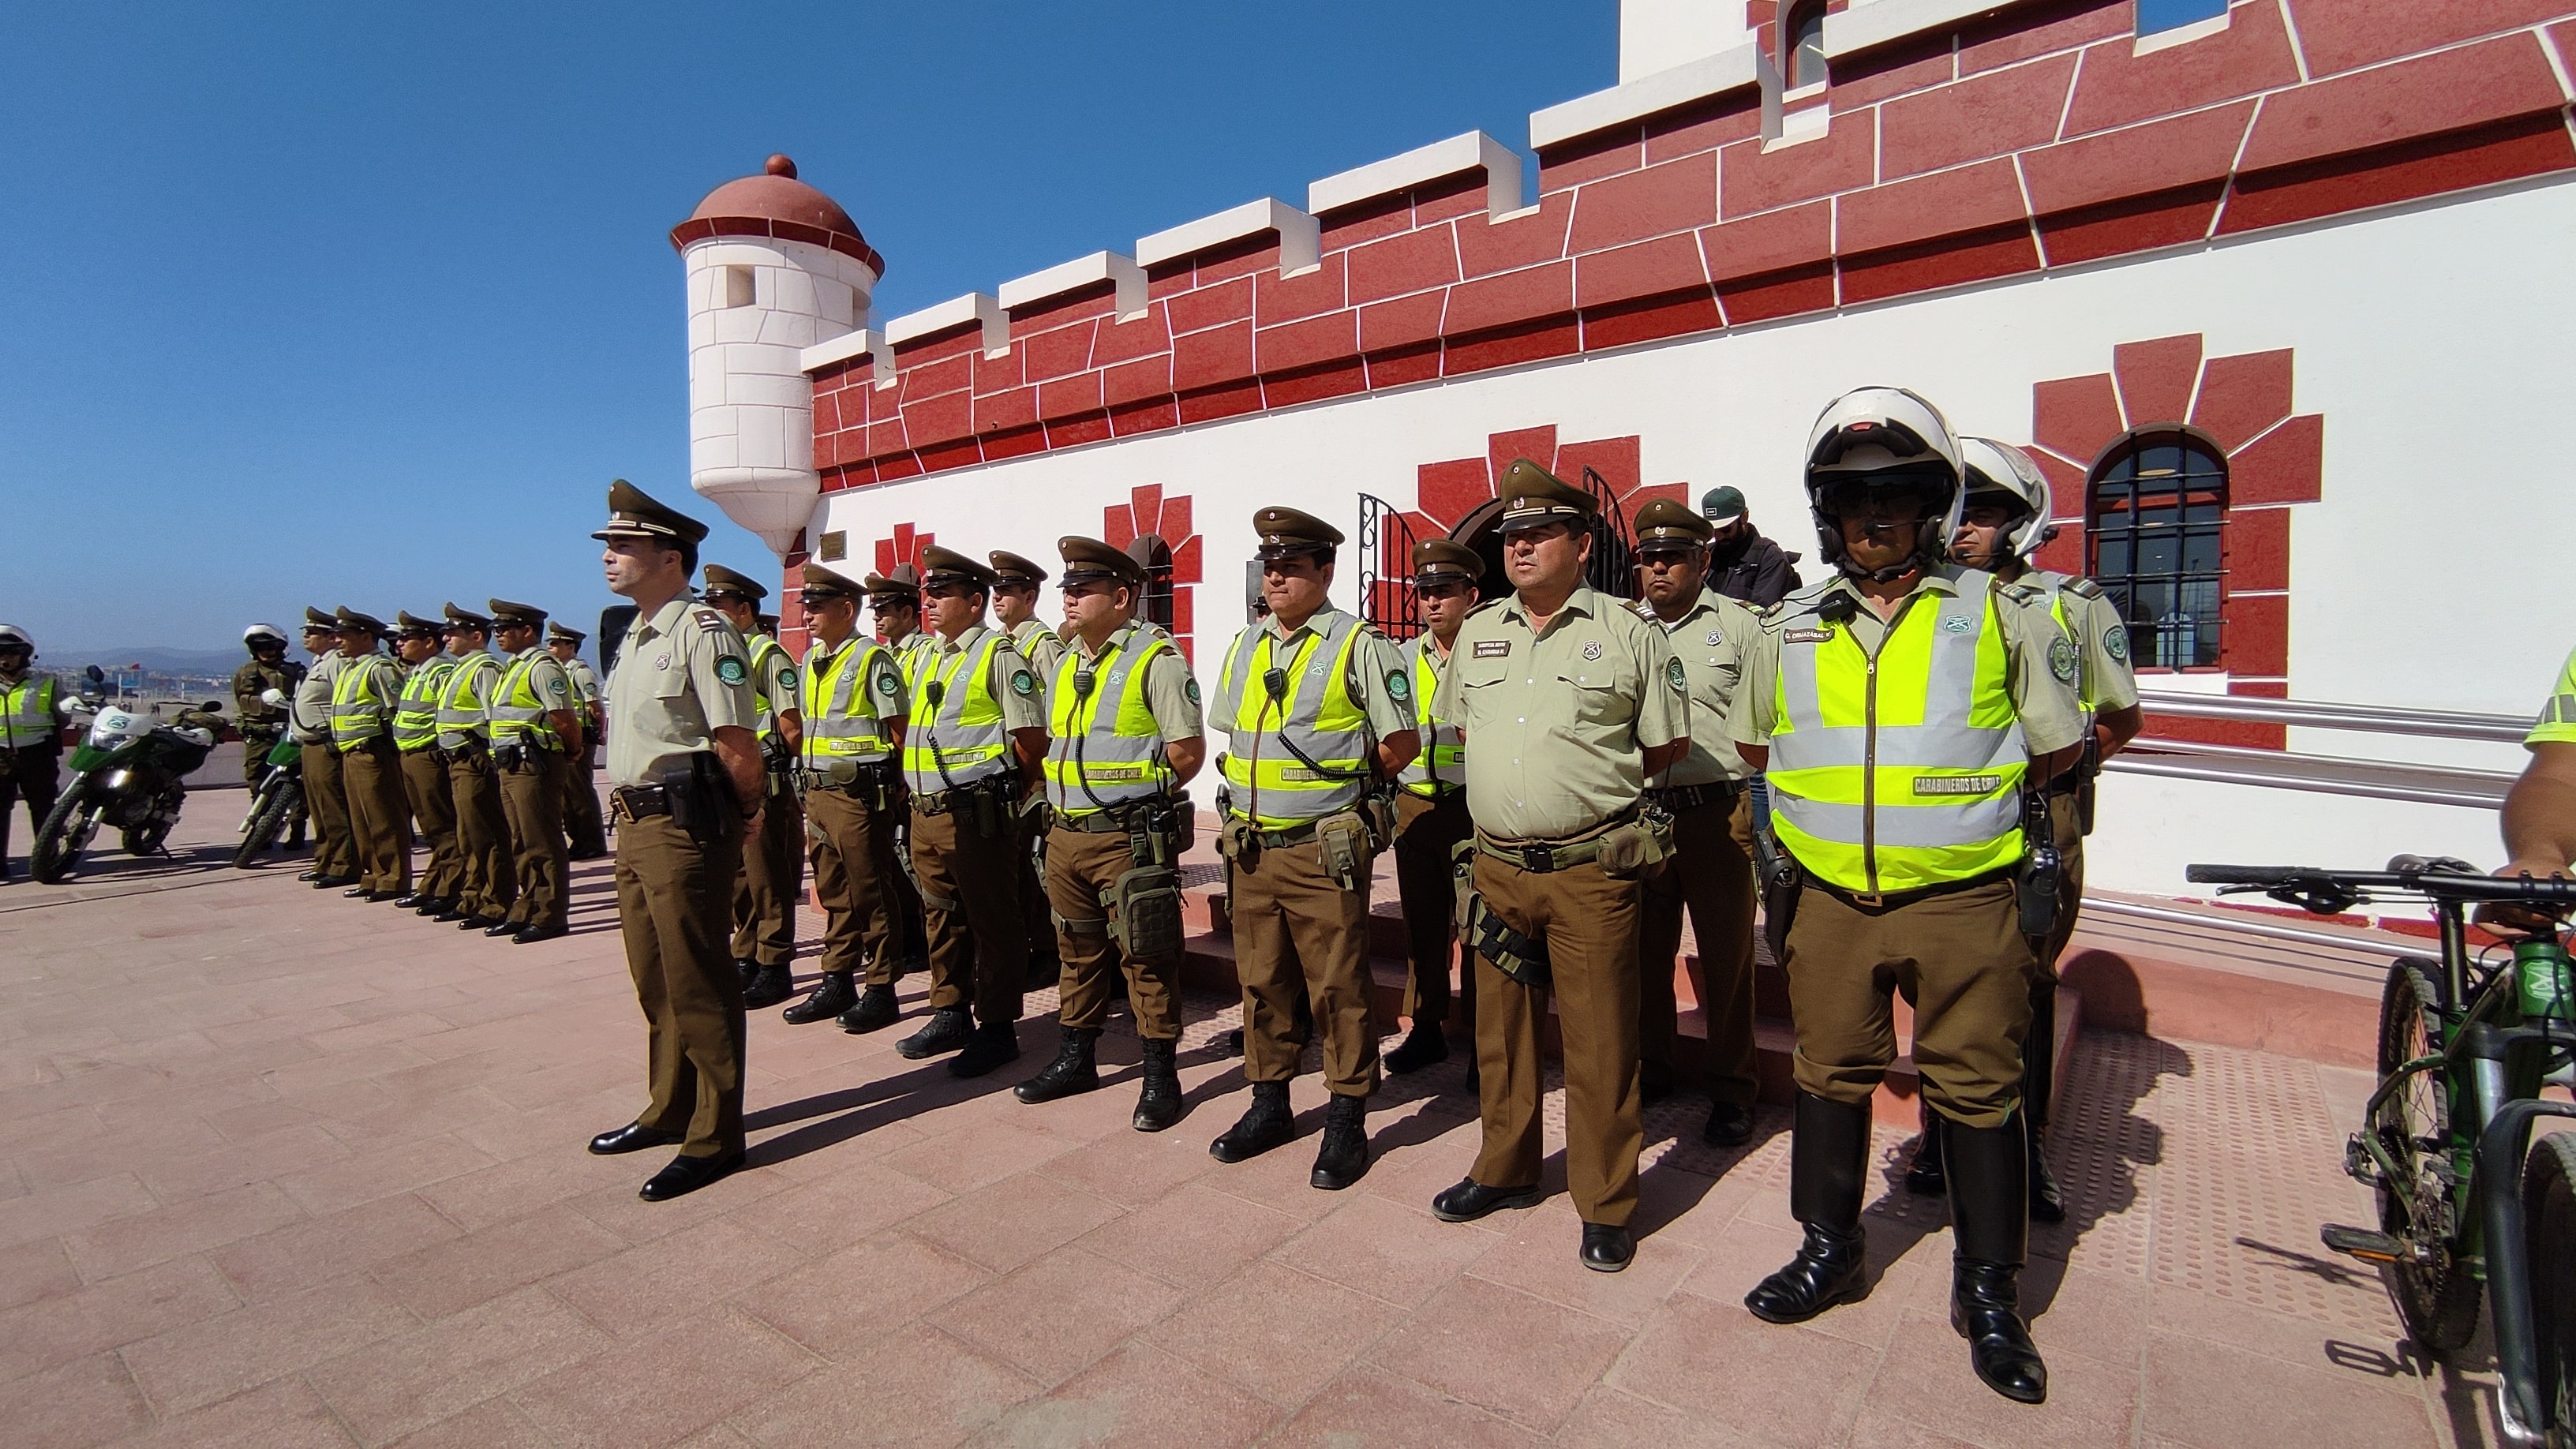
(365, 304)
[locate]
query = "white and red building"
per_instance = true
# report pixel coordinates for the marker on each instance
(2281, 296)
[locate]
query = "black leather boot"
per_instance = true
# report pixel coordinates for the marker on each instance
(875, 1011)
(946, 1031)
(1072, 1071)
(1159, 1105)
(992, 1044)
(1827, 1158)
(1923, 1176)
(1268, 1124)
(1426, 1044)
(1989, 1225)
(769, 986)
(830, 997)
(2038, 1077)
(1344, 1157)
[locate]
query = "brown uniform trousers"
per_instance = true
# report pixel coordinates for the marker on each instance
(532, 798)
(970, 905)
(1589, 924)
(2066, 824)
(335, 853)
(1080, 865)
(773, 875)
(257, 742)
(490, 885)
(671, 897)
(379, 816)
(1711, 875)
(585, 829)
(851, 843)
(1299, 938)
(425, 781)
(1958, 955)
(1035, 924)
(1426, 832)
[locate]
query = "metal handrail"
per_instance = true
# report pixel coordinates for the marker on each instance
(2383, 719)
(2319, 774)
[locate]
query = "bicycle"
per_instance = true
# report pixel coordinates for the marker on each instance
(2467, 1202)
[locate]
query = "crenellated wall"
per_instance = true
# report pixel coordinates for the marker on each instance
(1955, 143)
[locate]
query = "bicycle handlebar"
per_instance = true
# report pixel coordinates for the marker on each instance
(2439, 884)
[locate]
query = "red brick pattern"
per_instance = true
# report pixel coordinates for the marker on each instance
(2029, 139)
(1450, 491)
(1146, 511)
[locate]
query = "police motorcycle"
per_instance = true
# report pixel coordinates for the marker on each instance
(127, 772)
(277, 801)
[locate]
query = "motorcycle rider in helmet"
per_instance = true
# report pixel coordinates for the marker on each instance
(1902, 709)
(31, 737)
(262, 724)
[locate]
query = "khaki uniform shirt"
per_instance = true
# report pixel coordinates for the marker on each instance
(310, 711)
(1171, 691)
(2039, 669)
(584, 680)
(1042, 647)
(1015, 686)
(777, 678)
(1712, 641)
(1557, 724)
(681, 675)
(2104, 682)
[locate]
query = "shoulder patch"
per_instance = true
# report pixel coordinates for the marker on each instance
(787, 676)
(1676, 676)
(1190, 687)
(2115, 642)
(1398, 688)
(887, 686)
(729, 669)
(2061, 659)
(709, 617)
(1023, 683)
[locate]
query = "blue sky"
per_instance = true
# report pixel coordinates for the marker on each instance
(366, 304)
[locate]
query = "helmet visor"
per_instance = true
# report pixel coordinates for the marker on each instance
(1901, 495)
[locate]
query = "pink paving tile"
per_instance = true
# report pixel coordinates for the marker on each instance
(1193, 1237)
(382, 1173)
(480, 1266)
(981, 1153)
(49, 1211)
(1735, 1264)
(919, 1388)
(1137, 1396)
(843, 1207)
(2304, 1341)
(407, 1383)
(1541, 1258)
(2211, 1395)
(85, 1402)
(619, 1210)
(34, 1271)
(399, 1122)
(1366, 1409)
(111, 1150)
(54, 1331)
(1131, 1168)
(1012, 1221)
(282, 1414)
(238, 1164)
(1609, 1419)
(665, 1386)
(1928, 1380)
(1399, 1254)
(1504, 1351)
(494, 1425)
(515, 1188)
(1280, 1333)
(840, 1304)
(635, 1290)
(1022, 1318)
(192, 1226)
(257, 1119)
(216, 1358)
(1697, 1356)
(1882, 1429)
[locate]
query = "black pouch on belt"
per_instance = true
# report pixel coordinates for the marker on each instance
(1488, 935)
(1780, 887)
(2035, 887)
(1144, 909)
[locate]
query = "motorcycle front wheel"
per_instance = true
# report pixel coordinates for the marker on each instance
(267, 822)
(55, 856)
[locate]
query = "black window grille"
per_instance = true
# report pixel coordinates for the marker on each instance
(1155, 556)
(2156, 506)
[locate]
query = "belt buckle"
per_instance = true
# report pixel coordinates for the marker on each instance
(1538, 859)
(1872, 899)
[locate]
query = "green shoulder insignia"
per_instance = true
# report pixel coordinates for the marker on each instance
(1190, 687)
(2061, 658)
(1398, 688)
(1676, 676)
(2115, 642)
(787, 676)
(1023, 683)
(887, 686)
(729, 669)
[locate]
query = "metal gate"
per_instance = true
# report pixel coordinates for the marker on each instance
(1386, 583)
(1611, 571)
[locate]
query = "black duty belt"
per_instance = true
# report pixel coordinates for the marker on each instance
(1546, 857)
(1117, 819)
(961, 797)
(872, 774)
(1297, 834)
(640, 802)
(1678, 798)
(1887, 900)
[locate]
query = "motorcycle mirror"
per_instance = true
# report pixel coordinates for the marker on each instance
(212, 706)
(95, 674)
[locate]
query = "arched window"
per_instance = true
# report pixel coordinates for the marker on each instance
(2153, 511)
(1155, 556)
(1802, 45)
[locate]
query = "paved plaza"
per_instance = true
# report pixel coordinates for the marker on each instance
(284, 1170)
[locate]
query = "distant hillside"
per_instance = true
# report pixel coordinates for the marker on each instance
(191, 663)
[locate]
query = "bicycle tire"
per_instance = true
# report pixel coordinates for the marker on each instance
(2437, 1299)
(47, 861)
(2549, 1230)
(267, 823)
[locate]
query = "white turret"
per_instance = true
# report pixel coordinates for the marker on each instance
(774, 267)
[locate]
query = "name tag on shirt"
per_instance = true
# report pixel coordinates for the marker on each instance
(1492, 649)
(1806, 636)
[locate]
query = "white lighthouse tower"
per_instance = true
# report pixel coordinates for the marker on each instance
(774, 267)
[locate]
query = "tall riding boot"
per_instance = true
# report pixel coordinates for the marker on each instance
(1827, 1158)
(1989, 1226)
(1073, 1069)
(1923, 1176)
(1159, 1105)
(2038, 1077)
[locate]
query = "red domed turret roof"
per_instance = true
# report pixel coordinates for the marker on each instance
(776, 204)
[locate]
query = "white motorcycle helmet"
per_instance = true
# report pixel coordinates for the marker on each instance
(258, 634)
(1994, 467)
(1884, 438)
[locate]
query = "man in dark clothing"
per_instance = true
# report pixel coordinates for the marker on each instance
(1742, 563)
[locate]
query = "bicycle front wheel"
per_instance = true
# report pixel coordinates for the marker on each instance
(2437, 1295)
(2549, 1230)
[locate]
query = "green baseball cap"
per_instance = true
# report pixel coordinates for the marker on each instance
(1721, 506)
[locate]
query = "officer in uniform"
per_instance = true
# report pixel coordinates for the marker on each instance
(488, 884)
(335, 853)
(585, 830)
(1568, 703)
(1318, 710)
(895, 598)
(424, 777)
(849, 761)
(685, 774)
(364, 692)
(31, 738)
(532, 709)
(975, 735)
(1704, 792)
(1904, 709)
(1431, 816)
(2004, 523)
(773, 862)
(1124, 738)
(261, 724)
(1015, 601)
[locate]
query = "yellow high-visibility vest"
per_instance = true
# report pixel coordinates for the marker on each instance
(1104, 749)
(1313, 709)
(958, 739)
(1442, 765)
(416, 713)
(844, 720)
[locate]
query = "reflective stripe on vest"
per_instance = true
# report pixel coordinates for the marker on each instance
(762, 646)
(461, 713)
(842, 721)
(1443, 760)
(518, 716)
(358, 702)
(416, 716)
(1103, 747)
(961, 738)
(1314, 710)
(27, 711)
(1903, 771)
